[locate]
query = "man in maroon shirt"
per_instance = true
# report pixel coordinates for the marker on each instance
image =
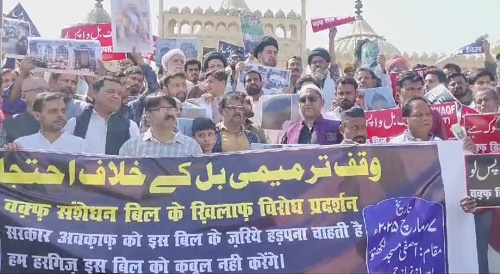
(410, 84)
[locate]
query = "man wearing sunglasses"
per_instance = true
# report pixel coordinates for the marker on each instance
(314, 129)
(24, 124)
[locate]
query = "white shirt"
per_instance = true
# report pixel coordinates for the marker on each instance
(65, 143)
(97, 132)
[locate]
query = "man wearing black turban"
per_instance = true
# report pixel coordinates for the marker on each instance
(214, 60)
(319, 62)
(266, 51)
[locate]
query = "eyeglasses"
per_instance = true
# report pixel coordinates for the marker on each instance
(310, 98)
(233, 108)
(162, 108)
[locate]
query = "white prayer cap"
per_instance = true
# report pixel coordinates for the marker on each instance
(171, 53)
(304, 88)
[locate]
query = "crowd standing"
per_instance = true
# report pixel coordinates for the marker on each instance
(135, 111)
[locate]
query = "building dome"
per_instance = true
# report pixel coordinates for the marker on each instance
(198, 10)
(246, 12)
(268, 14)
(360, 30)
(209, 11)
(292, 14)
(222, 11)
(173, 10)
(280, 14)
(185, 10)
(257, 13)
(233, 12)
(237, 4)
(98, 15)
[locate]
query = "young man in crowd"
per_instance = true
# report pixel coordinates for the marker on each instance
(49, 109)
(204, 133)
(408, 85)
(24, 123)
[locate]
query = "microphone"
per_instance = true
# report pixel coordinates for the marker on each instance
(458, 131)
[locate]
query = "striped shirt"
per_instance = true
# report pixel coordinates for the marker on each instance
(147, 146)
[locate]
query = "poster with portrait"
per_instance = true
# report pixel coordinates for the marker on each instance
(79, 57)
(280, 111)
(379, 98)
(188, 45)
(15, 38)
(252, 31)
(274, 80)
(131, 24)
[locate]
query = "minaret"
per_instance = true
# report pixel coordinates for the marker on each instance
(358, 9)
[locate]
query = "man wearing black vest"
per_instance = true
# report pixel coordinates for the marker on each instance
(104, 129)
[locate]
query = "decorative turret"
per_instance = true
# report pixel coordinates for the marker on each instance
(98, 15)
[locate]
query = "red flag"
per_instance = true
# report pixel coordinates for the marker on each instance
(320, 24)
(99, 32)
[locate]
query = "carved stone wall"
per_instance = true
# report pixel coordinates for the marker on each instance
(210, 26)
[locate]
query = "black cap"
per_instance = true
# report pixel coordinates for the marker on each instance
(214, 55)
(266, 41)
(321, 52)
(353, 112)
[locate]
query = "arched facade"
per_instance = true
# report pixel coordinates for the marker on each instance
(210, 26)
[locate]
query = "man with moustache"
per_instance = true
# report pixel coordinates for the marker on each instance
(253, 87)
(101, 125)
(313, 129)
(353, 126)
(161, 139)
(486, 101)
(231, 135)
(457, 84)
(248, 113)
(134, 83)
(347, 92)
(294, 64)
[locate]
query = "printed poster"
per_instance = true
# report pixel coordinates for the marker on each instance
(131, 24)
(252, 31)
(188, 45)
(15, 38)
(65, 55)
(97, 32)
(274, 80)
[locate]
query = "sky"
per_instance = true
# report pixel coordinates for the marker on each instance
(440, 26)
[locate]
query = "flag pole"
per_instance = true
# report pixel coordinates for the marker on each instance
(303, 27)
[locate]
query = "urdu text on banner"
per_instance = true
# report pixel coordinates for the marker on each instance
(346, 206)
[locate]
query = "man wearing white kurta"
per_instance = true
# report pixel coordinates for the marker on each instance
(49, 109)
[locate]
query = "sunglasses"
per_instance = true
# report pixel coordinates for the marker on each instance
(310, 98)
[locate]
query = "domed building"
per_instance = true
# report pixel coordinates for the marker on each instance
(360, 29)
(212, 25)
